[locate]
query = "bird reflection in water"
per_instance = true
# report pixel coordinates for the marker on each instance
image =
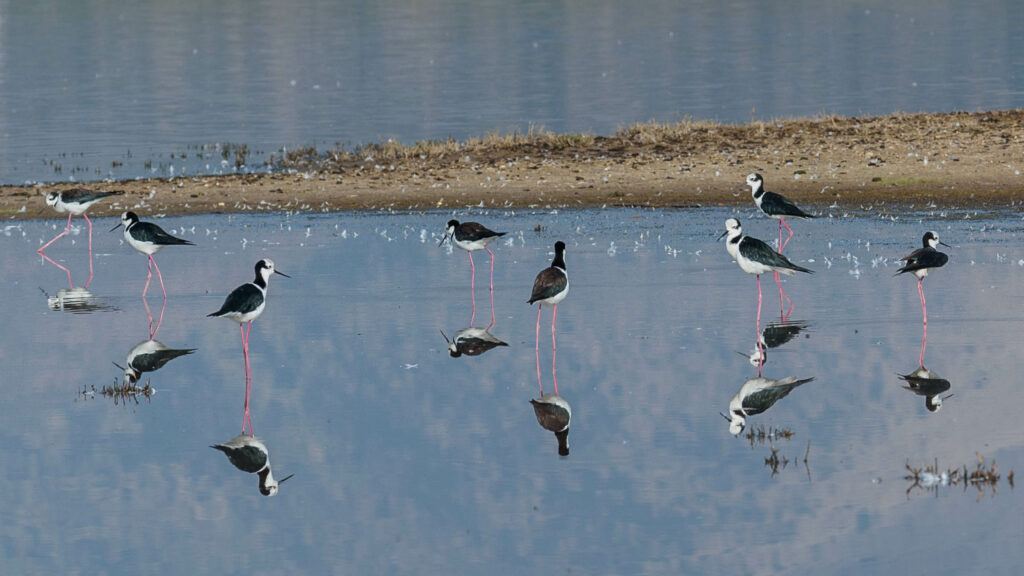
(756, 396)
(554, 413)
(927, 383)
(249, 454)
(472, 342)
(76, 301)
(774, 335)
(149, 356)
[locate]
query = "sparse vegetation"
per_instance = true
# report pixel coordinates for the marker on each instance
(981, 477)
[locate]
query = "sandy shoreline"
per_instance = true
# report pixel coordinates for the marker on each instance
(955, 160)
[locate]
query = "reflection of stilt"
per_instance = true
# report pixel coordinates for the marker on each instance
(246, 419)
(154, 329)
(64, 268)
(924, 344)
(554, 349)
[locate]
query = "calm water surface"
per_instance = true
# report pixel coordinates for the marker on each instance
(409, 461)
(92, 90)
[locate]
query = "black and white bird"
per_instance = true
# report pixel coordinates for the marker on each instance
(472, 342)
(757, 395)
(920, 261)
(243, 305)
(75, 202)
(554, 414)
(775, 206)
(249, 454)
(246, 303)
(929, 384)
(549, 288)
(149, 356)
(148, 238)
(472, 236)
(755, 257)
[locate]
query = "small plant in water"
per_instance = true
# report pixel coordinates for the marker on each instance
(126, 392)
(930, 477)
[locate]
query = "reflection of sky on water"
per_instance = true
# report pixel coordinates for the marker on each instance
(409, 461)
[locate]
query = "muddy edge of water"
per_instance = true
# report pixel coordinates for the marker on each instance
(952, 160)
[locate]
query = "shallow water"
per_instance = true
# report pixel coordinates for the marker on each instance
(407, 460)
(158, 89)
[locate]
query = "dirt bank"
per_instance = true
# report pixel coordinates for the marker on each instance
(951, 160)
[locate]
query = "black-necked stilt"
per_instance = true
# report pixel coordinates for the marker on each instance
(549, 288)
(472, 342)
(249, 454)
(920, 261)
(757, 395)
(75, 202)
(554, 414)
(775, 206)
(756, 257)
(779, 207)
(148, 238)
(149, 356)
(472, 236)
(243, 305)
(929, 384)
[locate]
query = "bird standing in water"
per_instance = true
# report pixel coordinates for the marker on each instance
(756, 257)
(243, 305)
(920, 261)
(148, 238)
(472, 236)
(549, 288)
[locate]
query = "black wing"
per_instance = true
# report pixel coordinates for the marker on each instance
(549, 282)
(242, 300)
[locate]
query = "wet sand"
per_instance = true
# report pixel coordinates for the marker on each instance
(955, 160)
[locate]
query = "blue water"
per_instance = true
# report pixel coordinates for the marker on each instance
(409, 461)
(95, 90)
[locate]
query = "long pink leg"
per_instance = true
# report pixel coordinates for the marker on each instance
(920, 292)
(758, 327)
(554, 348)
(55, 238)
(782, 222)
(536, 350)
(149, 276)
(159, 276)
(472, 287)
(89, 281)
(492, 289)
(248, 376)
(783, 298)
